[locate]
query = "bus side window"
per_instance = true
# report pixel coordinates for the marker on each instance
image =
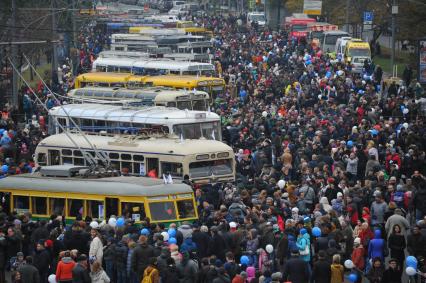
(39, 205)
(21, 204)
(54, 157)
(185, 208)
(95, 209)
(163, 210)
(57, 206)
(133, 210)
(75, 207)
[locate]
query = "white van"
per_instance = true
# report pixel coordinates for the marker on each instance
(341, 45)
(258, 17)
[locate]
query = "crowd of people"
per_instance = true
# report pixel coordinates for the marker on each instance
(330, 167)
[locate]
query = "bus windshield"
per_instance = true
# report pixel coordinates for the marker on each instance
(359, 52)
(208, 130)
(331, 39)
(199, 105)
(209, 168)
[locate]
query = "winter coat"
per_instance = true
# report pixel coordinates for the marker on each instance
(14, 245)
(296, 270)
(376, 246)
(392, 276)
(301, 243)
(357, 257)
(201, 240)
(96, 249)
(120, 258)
(42, 261)
(64, 270)
(337, 273)
(375, 275)
(140, 259)
(29, 274)
(80, 274)
(169, 274)
(321, 272)
(187, 271)
(99, 277)
(188, 245)
(397, 219)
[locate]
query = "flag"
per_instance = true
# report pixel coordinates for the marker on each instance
(181, 138)
(213, 136)
(165, 179)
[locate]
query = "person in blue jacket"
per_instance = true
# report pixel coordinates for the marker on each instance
(304, 245)
(376, 246)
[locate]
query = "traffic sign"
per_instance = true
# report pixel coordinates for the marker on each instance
(368, 17)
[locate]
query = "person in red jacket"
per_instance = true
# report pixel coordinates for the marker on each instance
(392, 158)
(358, 254)
(64, 268)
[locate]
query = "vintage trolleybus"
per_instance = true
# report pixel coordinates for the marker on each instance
(73, 196)
(202, 161)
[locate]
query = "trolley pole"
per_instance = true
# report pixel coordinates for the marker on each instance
(14, 59)
(54, 53)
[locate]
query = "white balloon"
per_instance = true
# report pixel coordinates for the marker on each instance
(405, 111)
(410, 271)
(281, 184)
(112, 222)
(264, 114)
(94, 224)
(269, 248)
(165, 236)
(349, 264)
(405, 125)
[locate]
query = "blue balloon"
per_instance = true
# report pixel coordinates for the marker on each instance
(316, 231)
(172, 241)
(5, 168)
(411, 261)
(171, 232)
(120, 222)
(145, 232)
(350, 143)
(352, 277)
(328, 74)
(308, 62)
(244, 260)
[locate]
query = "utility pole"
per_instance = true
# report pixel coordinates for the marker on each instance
(348, 3)
(54, 53)
(74, 24)
(14, 59)
(394, 13)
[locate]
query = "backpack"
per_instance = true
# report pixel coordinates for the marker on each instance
(147, 277)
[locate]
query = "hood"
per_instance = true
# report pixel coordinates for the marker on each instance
(324, 200)
(306, 236)
(66, 259)
(366, 209)
(188, 241)
(332, 243)
(377, 234)
(251, 271)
